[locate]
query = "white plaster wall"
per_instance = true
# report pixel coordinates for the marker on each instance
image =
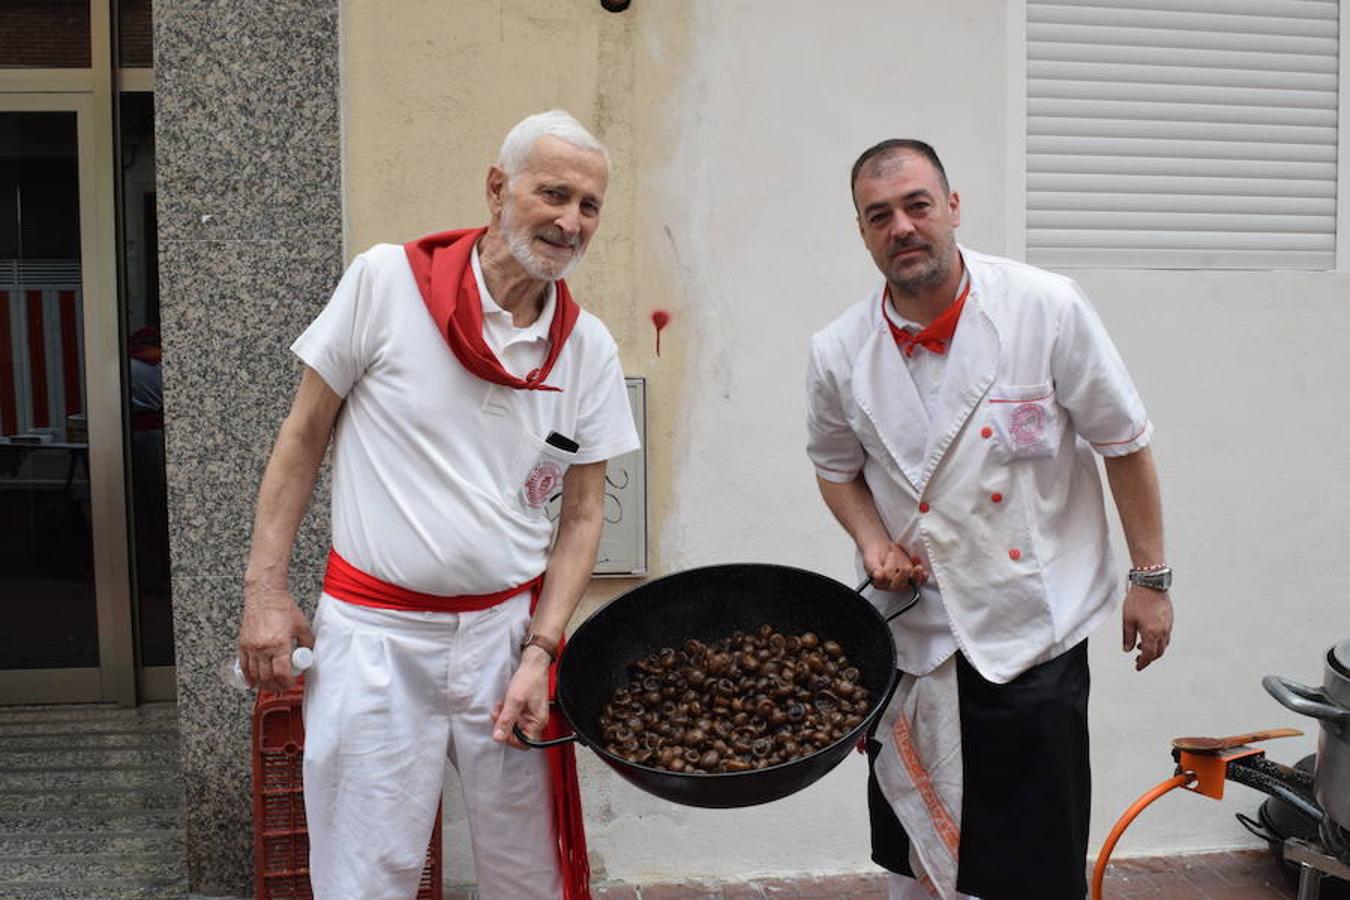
(737, 131)
(1243, 374)
(775, 102)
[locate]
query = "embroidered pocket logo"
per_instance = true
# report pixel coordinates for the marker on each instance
(1027, 425)
(543, 480)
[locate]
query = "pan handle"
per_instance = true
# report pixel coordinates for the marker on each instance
(541, 745)
(908, 604)
(1305, 700)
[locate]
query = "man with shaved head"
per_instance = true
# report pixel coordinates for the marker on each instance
(953, 418)
(463, 389)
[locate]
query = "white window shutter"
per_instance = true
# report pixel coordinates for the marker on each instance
(1182, 134)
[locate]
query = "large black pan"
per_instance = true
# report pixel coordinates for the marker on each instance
(710, 603)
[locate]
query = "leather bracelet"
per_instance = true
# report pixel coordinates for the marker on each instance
(548, 645)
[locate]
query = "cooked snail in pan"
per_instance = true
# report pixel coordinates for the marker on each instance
(745, 702)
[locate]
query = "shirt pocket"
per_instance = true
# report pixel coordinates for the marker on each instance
(1027, 421)
(537, 474)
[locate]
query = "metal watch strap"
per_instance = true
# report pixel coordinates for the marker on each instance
(548, 645)
(1156, 577)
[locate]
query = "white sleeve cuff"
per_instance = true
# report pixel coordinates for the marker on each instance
(1128, 446)
(835, 476)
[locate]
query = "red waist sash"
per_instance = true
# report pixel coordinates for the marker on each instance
(348, 583)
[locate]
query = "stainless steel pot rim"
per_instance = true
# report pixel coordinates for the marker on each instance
(1339, 657)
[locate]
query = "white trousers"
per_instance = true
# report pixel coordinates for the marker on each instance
(392, 696)
(902, 887)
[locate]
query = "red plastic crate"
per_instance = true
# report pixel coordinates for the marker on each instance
(280, 840)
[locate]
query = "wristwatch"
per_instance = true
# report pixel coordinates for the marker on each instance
(1155, 578)
(548, 645)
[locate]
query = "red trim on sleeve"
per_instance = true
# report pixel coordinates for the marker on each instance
(1126, 441)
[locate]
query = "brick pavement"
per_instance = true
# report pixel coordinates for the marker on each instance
(1238, 875)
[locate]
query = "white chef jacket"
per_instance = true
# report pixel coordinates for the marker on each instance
(998, 492)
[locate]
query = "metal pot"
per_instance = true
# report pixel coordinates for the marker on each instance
(1330, 705)
(710, 603)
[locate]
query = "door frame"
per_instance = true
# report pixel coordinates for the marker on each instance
(115, 677)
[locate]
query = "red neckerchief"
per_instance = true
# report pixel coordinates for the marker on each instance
(440, 265)
(937, 335)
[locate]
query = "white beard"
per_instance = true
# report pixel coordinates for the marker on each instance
(518, 242)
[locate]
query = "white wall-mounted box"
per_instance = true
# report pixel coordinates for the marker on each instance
(623, 541)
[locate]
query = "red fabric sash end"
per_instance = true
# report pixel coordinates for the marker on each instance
(937, 335)
(346, 582)
(444, 274)
(568, 823)
(569, 827)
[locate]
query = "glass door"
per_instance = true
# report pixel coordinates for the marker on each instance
(149, 504)
(62, 511)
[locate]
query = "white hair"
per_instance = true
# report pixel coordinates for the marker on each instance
(521, 139)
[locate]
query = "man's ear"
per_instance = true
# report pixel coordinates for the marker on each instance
(954, 200)
(495, 189)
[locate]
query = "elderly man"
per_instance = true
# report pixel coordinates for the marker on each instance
(464, 389)
(953, 416)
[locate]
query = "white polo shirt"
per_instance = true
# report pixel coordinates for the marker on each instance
(439, 477)
(519, 350)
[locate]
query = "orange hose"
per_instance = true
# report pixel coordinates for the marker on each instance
(1099, 870)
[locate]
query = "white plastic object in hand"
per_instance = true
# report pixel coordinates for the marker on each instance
(232, 673)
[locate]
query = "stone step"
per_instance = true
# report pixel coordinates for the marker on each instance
(90, 822)
(93, 800)
(15, 761)
(169, 730)
(154, 715)
(91, 803)
(80, 779)
(167, 843)
(85, 739)
(142, 868)
(124, 889)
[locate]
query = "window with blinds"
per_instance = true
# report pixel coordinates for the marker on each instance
(1182, 133)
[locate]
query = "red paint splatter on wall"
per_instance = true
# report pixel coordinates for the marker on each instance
(660, 318)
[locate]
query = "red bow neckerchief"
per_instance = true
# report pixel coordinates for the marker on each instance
(441, 267)
(937, 335)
